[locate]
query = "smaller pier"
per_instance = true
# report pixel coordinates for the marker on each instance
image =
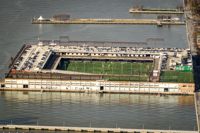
(89, 129)
(140, 9)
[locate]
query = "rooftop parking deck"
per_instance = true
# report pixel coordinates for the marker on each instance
(47, 56)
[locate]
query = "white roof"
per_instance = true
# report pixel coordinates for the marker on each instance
(40, 18)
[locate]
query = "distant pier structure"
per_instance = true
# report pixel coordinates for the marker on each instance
(66, 19)
(141, 9)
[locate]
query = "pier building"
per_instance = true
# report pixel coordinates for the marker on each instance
(106, 67)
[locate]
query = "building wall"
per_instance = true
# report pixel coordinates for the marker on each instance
(99, 86)
(184, 87)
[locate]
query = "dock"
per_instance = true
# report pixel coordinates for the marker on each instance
(109, 21)
(89, 129)
(155, 11)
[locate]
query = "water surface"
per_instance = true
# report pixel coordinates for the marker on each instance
(99, 110)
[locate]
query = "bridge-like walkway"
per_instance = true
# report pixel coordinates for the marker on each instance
(90, 129)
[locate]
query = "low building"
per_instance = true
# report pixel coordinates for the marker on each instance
(61, 17)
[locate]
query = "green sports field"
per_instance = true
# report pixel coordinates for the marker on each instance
(176, 76)
(101, 67)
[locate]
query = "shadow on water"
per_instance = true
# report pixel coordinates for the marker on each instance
(2, 93)
(24, 120)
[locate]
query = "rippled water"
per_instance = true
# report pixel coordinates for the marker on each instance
(131, 111)
(101, 110)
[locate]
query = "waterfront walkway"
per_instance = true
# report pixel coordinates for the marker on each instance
(89, 129)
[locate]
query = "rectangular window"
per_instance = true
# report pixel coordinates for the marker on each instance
(101, 88)
(25, 86)
(2, 85)
(166, 89)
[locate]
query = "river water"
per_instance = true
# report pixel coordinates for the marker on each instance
(101, 110)
(110, 110)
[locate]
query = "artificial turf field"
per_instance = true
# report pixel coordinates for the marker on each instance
(126, 71)
(112, 68)
(176, 76)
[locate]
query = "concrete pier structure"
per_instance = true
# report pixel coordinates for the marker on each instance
(155, 11)
(96, 67)
(90, 129)
(109, 21)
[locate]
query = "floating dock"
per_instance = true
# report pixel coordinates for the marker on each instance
(89, 129)
(155, 11)
(109, 21)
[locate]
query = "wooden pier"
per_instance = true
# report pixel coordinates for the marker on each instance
(155, 11)
(109, 21)
(89, 129)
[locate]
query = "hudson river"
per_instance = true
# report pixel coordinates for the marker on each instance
(101, 110)
(108, 110)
